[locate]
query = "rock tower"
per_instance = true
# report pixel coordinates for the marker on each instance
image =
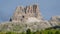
(23, 13)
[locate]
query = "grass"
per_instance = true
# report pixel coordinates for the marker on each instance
(52, 31)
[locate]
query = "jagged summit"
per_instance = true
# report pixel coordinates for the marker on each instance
(24, 13)
(28, 17)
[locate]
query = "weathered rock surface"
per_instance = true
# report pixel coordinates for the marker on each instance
(55, 20)
(24, 13)
(28, 17)
(23, 26)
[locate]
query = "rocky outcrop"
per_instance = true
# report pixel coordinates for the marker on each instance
(24, 18)
(23, 14)
(28, 17)
(55, 20)
(23, 26)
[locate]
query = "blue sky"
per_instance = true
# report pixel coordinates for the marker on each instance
(48, 8)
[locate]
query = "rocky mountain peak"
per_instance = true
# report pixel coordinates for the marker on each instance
(28, 17)
(24, 13)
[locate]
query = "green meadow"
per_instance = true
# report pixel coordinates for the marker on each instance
(51, 31)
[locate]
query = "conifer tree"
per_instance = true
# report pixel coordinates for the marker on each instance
(28, 31)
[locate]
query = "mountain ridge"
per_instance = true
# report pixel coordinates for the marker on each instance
(28, 17)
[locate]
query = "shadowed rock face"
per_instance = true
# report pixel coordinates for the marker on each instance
(24, 13)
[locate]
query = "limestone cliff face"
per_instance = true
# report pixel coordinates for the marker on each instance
(24, 13)
(28, 17)
(55, 20)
